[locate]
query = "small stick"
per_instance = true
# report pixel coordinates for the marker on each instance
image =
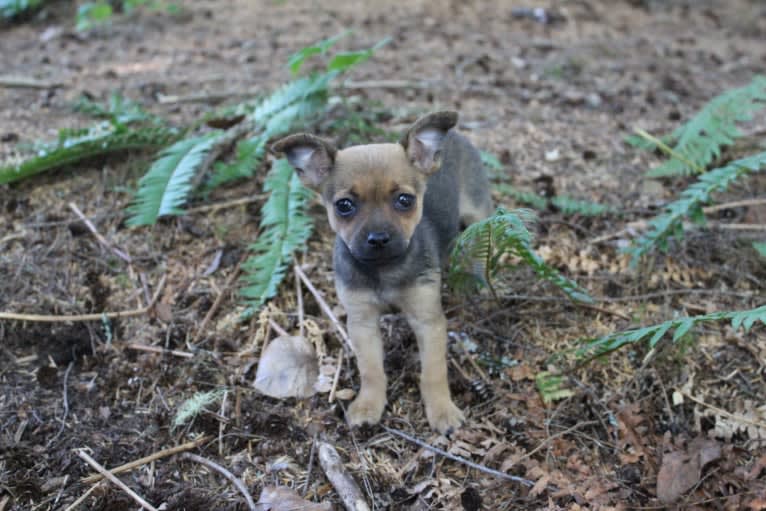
(225, 473)
(135, 496)
(739, 227)
(23, 82)
(226, 204)
(388, 84)
(336, 377)
(441, 452)
(311, 466)
(217, 303)
(281, 331)
(299, 297)
(92, 228)
(734, 417)
(735, 204)
(222, 424)
(556, 435)
(65, 402)
(323, 305)
(81, 499)
(341, 480)
(14, 316)
(202, 97)
(158, 349)
(148, 459)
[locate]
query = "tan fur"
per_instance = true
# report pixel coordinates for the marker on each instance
(375, 174)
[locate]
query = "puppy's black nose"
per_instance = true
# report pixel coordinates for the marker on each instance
(378, 239)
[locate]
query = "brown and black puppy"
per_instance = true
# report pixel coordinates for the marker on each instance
(396, 208)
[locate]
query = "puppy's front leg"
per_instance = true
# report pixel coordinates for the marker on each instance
(423, 308)
(363, 311)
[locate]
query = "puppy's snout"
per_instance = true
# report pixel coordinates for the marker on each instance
(378, 239)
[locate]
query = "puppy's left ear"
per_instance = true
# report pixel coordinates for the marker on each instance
(312, 157)
(423, 141)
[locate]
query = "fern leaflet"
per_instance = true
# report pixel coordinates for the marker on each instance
(700, 140)
(689, 205)
(680, 327)
(483, 250)
(164, 188)
(285, 228)
(99, 140)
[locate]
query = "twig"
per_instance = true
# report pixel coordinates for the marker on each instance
(65, 403)
(721, 411)
(736, 204)
(124, 487)
(148, 459)
(158, 349)
(225, 473)
(311, 466)
(336, 377)
(220, 146)
(555, 436)
(441, 452)
(202, 97)
(222, 423)
(92, 228)
(280, 331)
(389, 84)
(226, 204)
(603, 310)
(299, 297)
(24, 82)
(217, 303)
(341, 480)
(14, 316)
(323, 305)
(81, 499)
(738, 227)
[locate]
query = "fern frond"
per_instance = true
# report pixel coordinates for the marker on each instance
(193, 406)
(700, 140)
(483, 250)
(296, 60)
(551, 387)
(570, 206)
(163, 190)
(99, 140)
(679, 327)
(689, 205)
(527, 198)
(12, 8)
(285, 228)
(119, 110)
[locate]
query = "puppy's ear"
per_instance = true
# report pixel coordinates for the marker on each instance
(312, 157)
(423, 141)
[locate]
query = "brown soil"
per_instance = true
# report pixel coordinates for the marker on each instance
(554, 101)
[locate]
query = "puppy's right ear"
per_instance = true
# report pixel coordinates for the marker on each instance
(312, 157)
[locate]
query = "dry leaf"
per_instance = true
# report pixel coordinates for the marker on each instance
(281, 498)
(680, 471)
(288, 368)
(345, 394)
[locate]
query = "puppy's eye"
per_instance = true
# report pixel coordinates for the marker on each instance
(404, 201)
(345, 207)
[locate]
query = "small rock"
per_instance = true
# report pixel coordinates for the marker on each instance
(552, 155)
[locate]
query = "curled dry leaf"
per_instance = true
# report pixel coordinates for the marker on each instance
(280, 498)
(288, 368)
(680, 471)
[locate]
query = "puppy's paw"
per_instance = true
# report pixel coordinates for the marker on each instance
(444, 416)
(365, 410)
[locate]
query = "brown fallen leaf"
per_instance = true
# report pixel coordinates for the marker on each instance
(281, 498)
(288, 368)
(680, 470)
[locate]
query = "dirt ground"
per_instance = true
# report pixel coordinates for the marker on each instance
(553, 101)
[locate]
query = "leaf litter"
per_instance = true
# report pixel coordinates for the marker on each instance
(601, 448)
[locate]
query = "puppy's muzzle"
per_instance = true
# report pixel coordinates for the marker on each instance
(378, 246)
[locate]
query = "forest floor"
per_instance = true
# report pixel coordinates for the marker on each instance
(553, 101)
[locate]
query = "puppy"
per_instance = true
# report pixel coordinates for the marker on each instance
(396, 208)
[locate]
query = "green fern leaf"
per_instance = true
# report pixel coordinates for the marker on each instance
(681, 326)
(570, 206)
(296, 60)
(689, 205)
(12, 8)
(481, 251)
(715, 126)
(163, 190)
(527, 198)
(285, 228)
(99, 140)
